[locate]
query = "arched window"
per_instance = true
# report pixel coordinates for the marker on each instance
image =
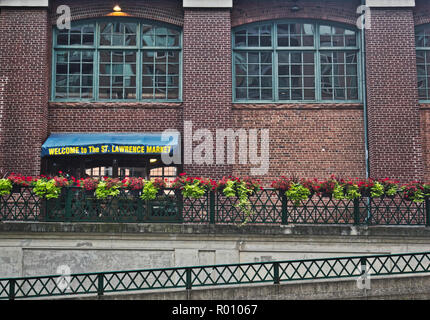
(286, 61)
(422, 43)
(117, 60)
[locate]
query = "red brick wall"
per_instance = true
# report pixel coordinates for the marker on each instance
(422, 16)
(309, 141)
(394, 124)
(247, 11)
(207, 80)
(3, 81)
(114, 117)
(24, 47)
(169, 11)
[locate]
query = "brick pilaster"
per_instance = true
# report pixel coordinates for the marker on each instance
(24, 60)
(395, 149)
(207, 79)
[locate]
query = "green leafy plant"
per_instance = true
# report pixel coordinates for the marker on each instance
(377, 190)
(46, 189)
(352, 191)
(194, 190)
(149, 191)
(234, 187)
(297, 193)
(338, 193)
(5, 187)
(413, 191)
(108, 187)
(192, 187)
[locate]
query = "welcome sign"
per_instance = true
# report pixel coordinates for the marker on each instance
(65, 144)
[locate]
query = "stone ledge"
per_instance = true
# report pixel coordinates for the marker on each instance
(112, 229)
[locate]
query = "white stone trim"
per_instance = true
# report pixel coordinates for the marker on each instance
(24, 3)
(208, 3)
(390, 3)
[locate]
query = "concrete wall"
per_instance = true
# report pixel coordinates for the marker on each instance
(30, 249)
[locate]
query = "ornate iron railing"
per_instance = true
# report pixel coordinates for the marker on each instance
(275, 272)
(267, 206)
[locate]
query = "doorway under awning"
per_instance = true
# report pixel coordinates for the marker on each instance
(85, 144)
(109, 154)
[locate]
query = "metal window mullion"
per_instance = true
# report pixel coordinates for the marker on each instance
(317, 64)
(96, 60)
(139, 61)
(426, 78)
(154, 74)
(80, 71)
(167, 74)
(275, 66)
(332, 76)
(68, 74)
(303, 75)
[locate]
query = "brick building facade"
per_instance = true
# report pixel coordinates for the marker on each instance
(389, 121)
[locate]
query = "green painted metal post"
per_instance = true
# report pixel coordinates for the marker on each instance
(179, 204)
(356, 211)
(100, 284)
(276, 279)
(12, 289)
(68, 204)
(427, 210)
(212, 207)
(140, 206)
(188, 281)
(284, 200)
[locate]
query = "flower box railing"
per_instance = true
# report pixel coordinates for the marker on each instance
(266, 206)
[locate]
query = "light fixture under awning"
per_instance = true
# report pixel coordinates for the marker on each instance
(67, 144)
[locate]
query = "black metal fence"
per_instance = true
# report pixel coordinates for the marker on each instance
(268, 206)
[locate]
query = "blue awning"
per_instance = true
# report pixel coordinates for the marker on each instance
(66, 144)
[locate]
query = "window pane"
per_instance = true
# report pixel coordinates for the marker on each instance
(296, 75)
(118, 34)
(117, 79)
(160, 75)
(295, 35)
(339, 80)
(255, 36)
(423, 71)
(155, 36)
(71, 74)
(253, 75)
(78, 35)
(337, 37)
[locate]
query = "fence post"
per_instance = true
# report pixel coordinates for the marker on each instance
(284, 213)
(100, 284)
(188, 281)
(179, 204)
(356, 211)
(427, 210)
(212, 207)
(276, 273)
(68, 204)
(12, 289)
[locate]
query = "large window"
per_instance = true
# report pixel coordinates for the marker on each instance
(117, 60)
(291, 61)
(422, 43)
